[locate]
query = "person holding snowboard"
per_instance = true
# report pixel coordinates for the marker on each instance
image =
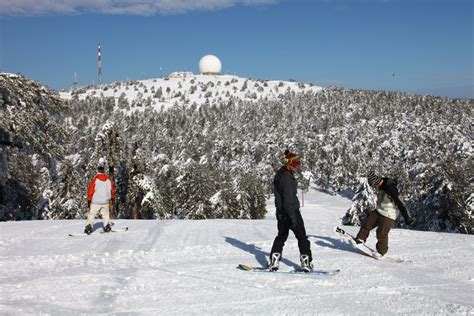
(389, 206)
(100, 197)
(288, 214)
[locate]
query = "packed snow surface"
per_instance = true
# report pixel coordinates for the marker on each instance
(189, 267)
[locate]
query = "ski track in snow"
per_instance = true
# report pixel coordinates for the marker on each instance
(189, 267)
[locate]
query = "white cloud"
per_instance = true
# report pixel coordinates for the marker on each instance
(137, 7)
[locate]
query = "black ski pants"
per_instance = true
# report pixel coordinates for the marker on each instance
(284, 224)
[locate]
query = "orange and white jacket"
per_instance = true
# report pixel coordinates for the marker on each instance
(101, 190)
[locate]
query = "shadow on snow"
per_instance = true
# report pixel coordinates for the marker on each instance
(260, 256)
(334, 243)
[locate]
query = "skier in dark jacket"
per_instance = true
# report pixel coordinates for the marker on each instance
(288, 214)
(389, 206)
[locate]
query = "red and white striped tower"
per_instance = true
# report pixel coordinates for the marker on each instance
(100, 65)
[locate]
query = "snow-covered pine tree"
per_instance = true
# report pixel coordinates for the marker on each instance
(194, 187)
(223, 204)
(68, 194)
(148, 202)
(28, 128)
(363, 202)
(251, 195)
(22, 185)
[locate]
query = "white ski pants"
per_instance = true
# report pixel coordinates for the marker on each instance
(103, 209)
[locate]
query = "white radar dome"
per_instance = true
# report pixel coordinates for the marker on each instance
(210, 65)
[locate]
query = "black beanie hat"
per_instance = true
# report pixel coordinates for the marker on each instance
(373, 179)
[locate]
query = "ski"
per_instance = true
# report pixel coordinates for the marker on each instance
(249, 268)
(120, 230)
(363, 248)
(81, 234)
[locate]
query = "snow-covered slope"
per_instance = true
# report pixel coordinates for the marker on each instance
(189, 267)
(189, 89)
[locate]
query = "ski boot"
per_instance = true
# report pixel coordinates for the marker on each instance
(306, 266)
(274, 261)
(107, 228)
(88, 230)
(357, 241)
(377, 255)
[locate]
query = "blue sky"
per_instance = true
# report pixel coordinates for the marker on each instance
(415, 46)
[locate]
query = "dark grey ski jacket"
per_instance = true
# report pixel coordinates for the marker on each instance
(285, 191)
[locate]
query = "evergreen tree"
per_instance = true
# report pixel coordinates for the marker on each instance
(68, 195)
(28, 130)
(364, 201)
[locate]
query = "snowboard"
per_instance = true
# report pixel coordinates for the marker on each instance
(249, 268)
(363, 248)
(119, 230)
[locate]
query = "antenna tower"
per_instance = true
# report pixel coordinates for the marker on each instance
(74, 80)
(99, 64)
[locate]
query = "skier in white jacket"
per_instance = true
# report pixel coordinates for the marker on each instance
(100, 197)
(389, 206)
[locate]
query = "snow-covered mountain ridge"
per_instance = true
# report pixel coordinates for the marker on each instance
(217, 160)
(189, 89)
